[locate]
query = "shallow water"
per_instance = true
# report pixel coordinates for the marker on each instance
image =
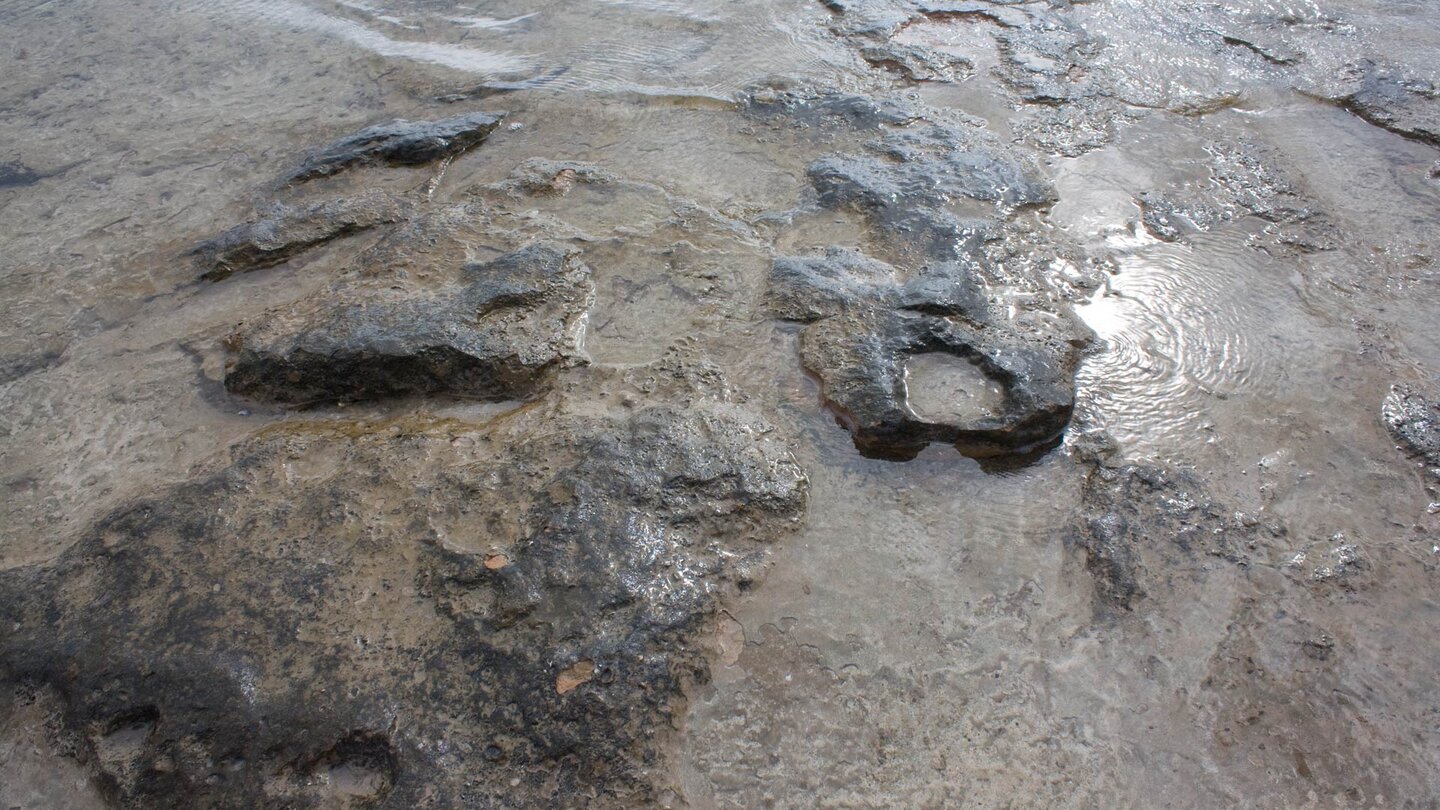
(929, 636)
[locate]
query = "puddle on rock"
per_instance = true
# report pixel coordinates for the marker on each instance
(944, 388)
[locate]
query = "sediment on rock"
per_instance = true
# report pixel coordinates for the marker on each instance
(429, 615)
(403, 143)
(491, 330)
(282, 232)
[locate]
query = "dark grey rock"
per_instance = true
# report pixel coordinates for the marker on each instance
(1389, 99)
(865, 324)
(918, 63)
(284, 231)
(497, 330)
(405, 143)
(438, 615)
(827, 108)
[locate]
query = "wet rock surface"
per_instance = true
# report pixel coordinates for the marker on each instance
(282, 232)
(403, 143)
(421, 519)
(1387, 98)
(868, 319)
(1145, 523)
(865, 325)
(400, 613)
(493, 330)
(1411, 414)
(1414, 420)
(17, 175)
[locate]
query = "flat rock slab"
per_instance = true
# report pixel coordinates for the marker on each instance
(403, 143)
(432, 614)
(282, 232)
(492, 330)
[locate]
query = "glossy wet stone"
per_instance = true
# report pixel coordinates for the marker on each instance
(321, 613)
(865, 325)
(1387, 97)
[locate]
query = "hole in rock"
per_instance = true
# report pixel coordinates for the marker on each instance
(944, 389)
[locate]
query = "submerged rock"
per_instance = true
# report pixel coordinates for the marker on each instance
(924, 168)
(866, 325)
(284, 231)
(1405, 106)
(1143, 525)
(827, 108)
(406, 143)
(495, 330)
(436, 615)
(1246, 179)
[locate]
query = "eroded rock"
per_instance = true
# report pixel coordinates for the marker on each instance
(282, 232)
(866, 324)
(492, 330)
(925, 167)
(318, 620)
(399, 142)
(918, 63)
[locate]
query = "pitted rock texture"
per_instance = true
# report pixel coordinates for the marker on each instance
(1414, 420)
(282, 232)
(492, 330)
(403, 143)
(421, 613)
(865, 323)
